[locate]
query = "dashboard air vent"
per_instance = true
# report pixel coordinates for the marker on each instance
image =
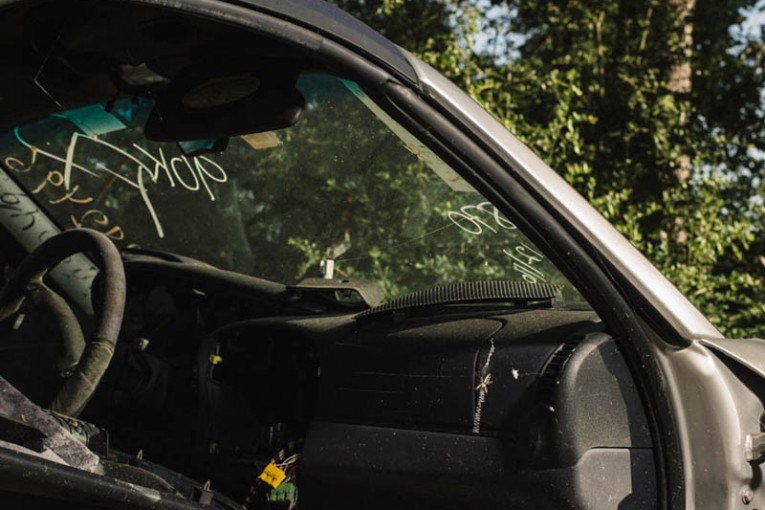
(550, 377)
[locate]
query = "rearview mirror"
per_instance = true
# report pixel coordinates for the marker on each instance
(205, 102)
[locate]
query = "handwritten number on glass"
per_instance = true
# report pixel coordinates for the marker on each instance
(484, 217)
(192, 174)
(473, 219)
(524, 258)
(99, 220)
(12, 202)
(18, 166)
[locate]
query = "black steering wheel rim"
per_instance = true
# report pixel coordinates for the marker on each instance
(79, 387)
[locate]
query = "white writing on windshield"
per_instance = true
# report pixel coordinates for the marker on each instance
(189, 173)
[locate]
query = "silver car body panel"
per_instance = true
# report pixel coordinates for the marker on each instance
(748, 353)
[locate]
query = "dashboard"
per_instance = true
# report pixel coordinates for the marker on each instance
(217, 376)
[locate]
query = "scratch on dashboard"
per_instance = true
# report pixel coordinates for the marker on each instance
(483, 388)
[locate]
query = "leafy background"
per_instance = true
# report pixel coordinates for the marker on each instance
(653, 110)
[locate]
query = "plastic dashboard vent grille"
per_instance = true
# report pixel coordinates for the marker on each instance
(468, 292)
(550, 377)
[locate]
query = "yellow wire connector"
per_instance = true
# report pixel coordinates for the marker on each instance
(215, 359)
(272, 475)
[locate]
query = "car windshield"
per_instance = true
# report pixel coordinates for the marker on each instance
(346, 187)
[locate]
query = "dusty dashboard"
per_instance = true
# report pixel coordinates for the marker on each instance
(522, 409)
(454, 407)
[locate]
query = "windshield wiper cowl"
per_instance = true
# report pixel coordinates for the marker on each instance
(519, 293)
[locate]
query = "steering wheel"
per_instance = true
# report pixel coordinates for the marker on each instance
(89, 362)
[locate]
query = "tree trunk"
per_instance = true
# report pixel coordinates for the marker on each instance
(680, 84)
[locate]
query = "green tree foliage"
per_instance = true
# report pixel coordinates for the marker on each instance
(596, 88)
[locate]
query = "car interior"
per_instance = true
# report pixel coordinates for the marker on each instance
(193, 384)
